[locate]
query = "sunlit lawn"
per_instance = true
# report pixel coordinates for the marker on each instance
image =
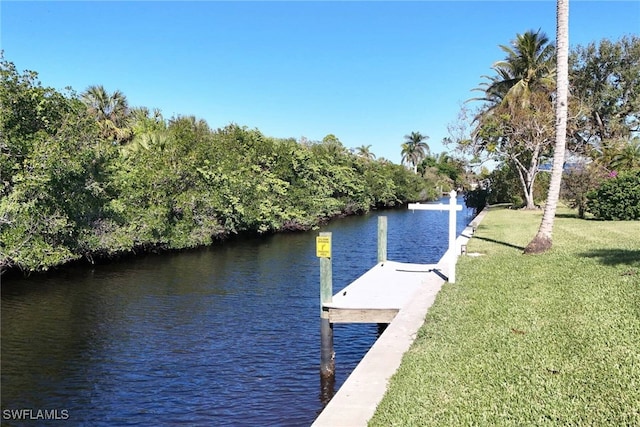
(524, 340)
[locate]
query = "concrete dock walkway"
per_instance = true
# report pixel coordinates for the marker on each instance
(379, 294)
(413, 290)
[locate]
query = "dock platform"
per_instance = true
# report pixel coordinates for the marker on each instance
(404, 292)
(378, 295)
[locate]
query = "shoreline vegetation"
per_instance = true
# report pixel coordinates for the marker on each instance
(16, 273)
(547, 339)
(88, 178)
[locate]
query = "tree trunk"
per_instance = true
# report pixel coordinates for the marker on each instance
(527, 179)
(543, 239)
(531, 178)
(528, 198)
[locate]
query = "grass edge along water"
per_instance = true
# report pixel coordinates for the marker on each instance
(549, 339)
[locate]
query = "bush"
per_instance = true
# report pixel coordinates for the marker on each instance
(505, 187)
(476, 199)
(578, 181)
(617, 198)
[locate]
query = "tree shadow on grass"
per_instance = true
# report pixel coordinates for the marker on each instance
(499, 242)
(575, 216)
(569, 215)
(615, 256)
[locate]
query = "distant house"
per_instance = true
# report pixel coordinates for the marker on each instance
(573, 164)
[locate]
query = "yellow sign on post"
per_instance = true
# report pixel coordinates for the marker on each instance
(323, 247)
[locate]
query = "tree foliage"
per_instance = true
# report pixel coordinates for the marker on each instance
(448, 172)
(89, 177)
(504, 187)
(515, 123)
(617, 198)
(603, 117)
(578, 181)
(414, 149)
(111, 112)
(605, 76)
(605, 79)
(521, 136)
(527, 68)
(476, 199)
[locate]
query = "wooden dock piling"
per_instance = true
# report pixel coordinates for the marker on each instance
(382, 255)
(382, 238)
(327, 353)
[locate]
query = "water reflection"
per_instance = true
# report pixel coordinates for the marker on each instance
(327, 389)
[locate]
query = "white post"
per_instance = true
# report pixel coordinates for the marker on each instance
(453, 253)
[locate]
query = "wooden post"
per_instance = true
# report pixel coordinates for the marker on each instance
(382, 256)
(327, 353)
(327, 389)
(382, 238)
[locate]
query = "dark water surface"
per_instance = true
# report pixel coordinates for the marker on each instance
(227, 335)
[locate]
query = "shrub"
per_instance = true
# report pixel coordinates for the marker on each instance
(476, 199)
(505, 187)
(578, 182)
(617, 197)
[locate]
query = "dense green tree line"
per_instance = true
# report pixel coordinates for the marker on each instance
(85, 176)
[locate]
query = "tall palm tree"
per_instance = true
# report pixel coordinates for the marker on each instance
(414, 149)
(331, 146)
(528, 66)
(364, 151)
(543, 239)
(110, 111)
(517, 119)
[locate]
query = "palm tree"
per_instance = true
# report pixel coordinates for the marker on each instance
(149, 130)
(331, 146)
(529, 66)
(110, 111)
(629, 155)
(414, 149)
(516, 121)
(364, 151)
(543, 239)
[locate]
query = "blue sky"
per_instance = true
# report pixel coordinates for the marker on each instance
(367, 72)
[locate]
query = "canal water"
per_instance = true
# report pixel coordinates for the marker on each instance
(224, 336)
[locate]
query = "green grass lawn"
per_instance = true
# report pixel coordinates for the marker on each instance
(529, 340)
